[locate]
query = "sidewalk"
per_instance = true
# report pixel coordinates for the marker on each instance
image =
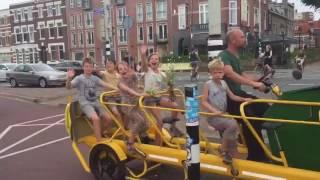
(53, 96)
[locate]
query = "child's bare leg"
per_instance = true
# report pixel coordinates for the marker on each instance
(96, 126)
(166, 102)
(157, 115)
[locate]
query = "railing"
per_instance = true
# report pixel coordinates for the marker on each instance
(199, 28)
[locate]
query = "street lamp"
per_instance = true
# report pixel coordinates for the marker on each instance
(43, 53)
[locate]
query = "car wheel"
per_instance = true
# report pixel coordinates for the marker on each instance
(43, 83)
(13, 82)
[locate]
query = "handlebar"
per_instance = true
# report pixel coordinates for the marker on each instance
(270, 85)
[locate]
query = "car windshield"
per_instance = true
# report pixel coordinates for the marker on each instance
(11, 66)
(42, 67)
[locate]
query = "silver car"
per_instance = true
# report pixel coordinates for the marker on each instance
(4, 68)
(36, 74)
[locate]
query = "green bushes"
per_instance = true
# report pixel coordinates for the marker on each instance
(182, 59)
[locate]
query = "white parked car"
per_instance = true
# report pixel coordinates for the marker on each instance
(4, 68)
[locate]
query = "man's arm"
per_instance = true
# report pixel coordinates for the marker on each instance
(240, 79)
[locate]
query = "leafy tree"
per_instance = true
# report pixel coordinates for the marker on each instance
(313, 3)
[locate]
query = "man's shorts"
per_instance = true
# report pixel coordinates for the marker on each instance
(93, 108)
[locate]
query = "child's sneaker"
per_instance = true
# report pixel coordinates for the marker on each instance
(227, 159)
(175, 132)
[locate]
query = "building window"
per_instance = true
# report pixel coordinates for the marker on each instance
(74, 39)
(31, 33)
(49, 10)
(149, 14)
(161, 9)
(123, 35)
(71, 3)
(182, 16)
(203, 11)
(23, 17)
(61, 52)
(121, 14)
(150, 33)
(58, 10)
(79, 2)
(30, 17)
(86, 3)
(59, 29)
(89, 19)
(233, 12)
(140, 33)
(17, 15)
(123, 53)
(40, 12)
(90, 38)
(18, 34)
(53, 50)
(91, 54)
(80, 20)
(81, 39)
(162, 31)
(25, 34)
(73, 21)
(42, 31)
(52, 32)
(150, 51)
(139, 13)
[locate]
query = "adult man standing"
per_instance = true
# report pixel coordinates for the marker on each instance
(235, 77)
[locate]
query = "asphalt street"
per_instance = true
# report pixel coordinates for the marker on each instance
(35, 146)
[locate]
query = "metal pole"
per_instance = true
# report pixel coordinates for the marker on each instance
(192, 126)
(260, 19)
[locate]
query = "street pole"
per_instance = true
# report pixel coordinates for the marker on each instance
(260, 19)
(192, 126)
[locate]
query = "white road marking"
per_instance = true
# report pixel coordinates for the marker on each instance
(31, 125)
(41, 119)
(5, 131)
(34, 147)
(297, 84)
(30, 136)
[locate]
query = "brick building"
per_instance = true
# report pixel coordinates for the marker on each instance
(86, 29)
(176, 26)
(39, 31)
(5, 36)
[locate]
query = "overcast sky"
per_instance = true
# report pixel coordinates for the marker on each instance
(4, 4)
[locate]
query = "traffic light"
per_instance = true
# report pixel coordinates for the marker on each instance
(108, 50)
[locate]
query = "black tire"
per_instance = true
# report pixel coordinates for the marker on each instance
(297, 74)
(43, 83)
(13, 82)
(105, 164)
